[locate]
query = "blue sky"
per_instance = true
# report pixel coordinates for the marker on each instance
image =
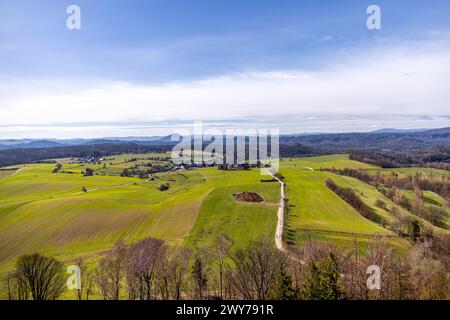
(206, 51)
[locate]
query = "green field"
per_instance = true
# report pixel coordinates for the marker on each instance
(339, 161)
(427, 172)
(221, 213)
(5, 173)
(47, 212)
(317, 213)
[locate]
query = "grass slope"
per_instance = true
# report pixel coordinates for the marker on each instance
(221, 213)
(48, 212)
(314, 207)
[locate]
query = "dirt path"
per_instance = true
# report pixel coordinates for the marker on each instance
(280, 214)
(280, 223)
(16, 202)
(15, 172)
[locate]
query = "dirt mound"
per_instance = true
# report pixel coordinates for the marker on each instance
(248, 197)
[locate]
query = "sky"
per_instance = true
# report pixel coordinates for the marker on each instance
(138, 68)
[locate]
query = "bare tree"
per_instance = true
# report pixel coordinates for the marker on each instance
(81, 265)
(397, 280)
(14, 289)
(255, 269)
(199, 277)
(87, 278)
(380, 254)
(223, 245)
(42, 277)
(162, 279)
(178, 268)
(90, 280)
(111, 270)
(171, 273)
(229, 287)
(144, 259)
(428, 275)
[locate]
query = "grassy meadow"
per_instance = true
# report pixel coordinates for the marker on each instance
(317, 213)
(48, 212)
(67, 214)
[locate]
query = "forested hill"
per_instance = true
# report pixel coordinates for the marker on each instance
(401, 148)
(374, 140)
(18, 156)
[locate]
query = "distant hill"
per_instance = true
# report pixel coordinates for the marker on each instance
(392, 130)
(381, 140)
(30, 144)
(411, 146)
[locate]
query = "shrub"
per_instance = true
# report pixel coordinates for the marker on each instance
(164, 187)
(414, 231)
(381, 204)
(436, 216)
(57, 168)
(352, 199)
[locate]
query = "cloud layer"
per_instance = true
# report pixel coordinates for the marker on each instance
(401, 80)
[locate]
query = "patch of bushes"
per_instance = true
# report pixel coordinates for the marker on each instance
(381, 204)
(436, 216)
(279, 176)
(57, 168)
(355, 201)
(164, 187)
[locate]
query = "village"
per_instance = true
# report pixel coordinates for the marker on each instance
(147, 165)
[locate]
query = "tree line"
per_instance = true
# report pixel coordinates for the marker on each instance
(391, 185)
(151, 269)
(437, 157)
(349, 196)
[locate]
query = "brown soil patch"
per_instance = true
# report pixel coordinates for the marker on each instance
(248, 197)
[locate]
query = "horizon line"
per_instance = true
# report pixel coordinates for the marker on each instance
(295, 133)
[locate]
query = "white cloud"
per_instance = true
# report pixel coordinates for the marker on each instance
(409, 79)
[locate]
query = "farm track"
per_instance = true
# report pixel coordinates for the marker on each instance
(17, 171)
(280, 223)
(280, 214)
(16, 202)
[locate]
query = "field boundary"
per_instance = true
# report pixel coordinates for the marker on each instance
(373, 235)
